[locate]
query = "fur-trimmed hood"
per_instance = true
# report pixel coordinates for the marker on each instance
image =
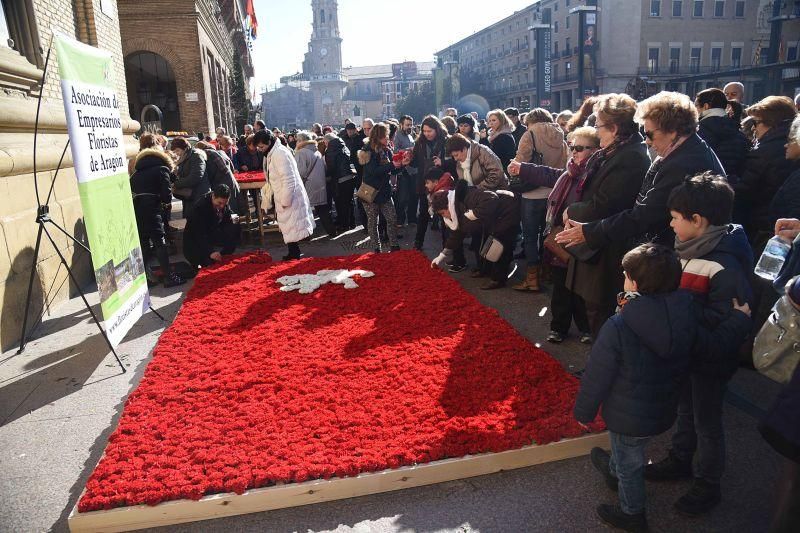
(364, 156)
(303, 144)
(150, 157)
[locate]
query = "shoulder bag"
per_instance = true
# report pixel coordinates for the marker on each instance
(492, 249)
(776, 351)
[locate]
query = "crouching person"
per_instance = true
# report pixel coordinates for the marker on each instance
(211, 222)
(638, 368)
(472, 210)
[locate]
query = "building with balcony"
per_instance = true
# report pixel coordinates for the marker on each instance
(406, 77)
(634, 46)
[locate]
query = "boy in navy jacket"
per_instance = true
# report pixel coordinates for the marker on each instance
(637, 370)
(717, 261)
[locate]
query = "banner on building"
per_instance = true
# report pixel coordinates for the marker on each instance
(98, 153)
(543, 64)
(587, 51)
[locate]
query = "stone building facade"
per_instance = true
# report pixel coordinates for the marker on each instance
(30, 24)
(182, 60)
(635, 46)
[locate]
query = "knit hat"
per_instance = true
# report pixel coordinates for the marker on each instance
(466, 119)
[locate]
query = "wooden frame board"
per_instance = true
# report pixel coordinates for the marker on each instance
(317, 491)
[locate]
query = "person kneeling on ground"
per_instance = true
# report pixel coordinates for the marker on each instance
(472, 210)
(150, 185)
(638, 368)
(210, 222)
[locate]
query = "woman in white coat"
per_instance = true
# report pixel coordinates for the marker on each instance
(311, 165)
(284, 189)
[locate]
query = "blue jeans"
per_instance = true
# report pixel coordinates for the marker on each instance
(627, 464)
(533, 215)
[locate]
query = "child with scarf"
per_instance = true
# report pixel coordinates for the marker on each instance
(716, 260)
(565, 306)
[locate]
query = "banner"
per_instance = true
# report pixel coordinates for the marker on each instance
(543, 66)
(95, 134)
(587, 50)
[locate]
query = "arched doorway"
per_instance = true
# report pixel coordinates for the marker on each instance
(151, 81)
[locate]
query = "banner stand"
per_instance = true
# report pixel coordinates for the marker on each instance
(42, 219)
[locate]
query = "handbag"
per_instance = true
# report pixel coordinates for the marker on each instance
(492, 249)
(367, 193)
(555, 248)
(537, 158)
(582, 252)
(776, 350)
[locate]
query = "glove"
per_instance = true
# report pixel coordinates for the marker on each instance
(438, 260)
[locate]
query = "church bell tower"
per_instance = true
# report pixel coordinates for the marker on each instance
(323, 63)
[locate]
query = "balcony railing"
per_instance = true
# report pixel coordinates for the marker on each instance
(685, 70)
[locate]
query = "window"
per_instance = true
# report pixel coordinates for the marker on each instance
(568, 69)
(764, 56)
(567, 46)
(555, 72)
(555, 27)
(555, 6)
(694, 58)
(791, 53)
(698, 8)
(674, 60)
(716, 58)
(555, 48)
(677, 8)
(719, 8)
(566, 22)
(652, 60)
(736, 57)
(655, 8)
(739, 12)
(322, 15)
(18, 30)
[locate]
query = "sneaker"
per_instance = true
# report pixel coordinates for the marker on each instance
(701, 498)
(600, 460)
(555, 337)
(614, 516)
(456, 268)
(173, 280)
(586, 338)
(668, 469)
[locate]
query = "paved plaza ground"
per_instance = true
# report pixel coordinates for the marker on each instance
(61, 399)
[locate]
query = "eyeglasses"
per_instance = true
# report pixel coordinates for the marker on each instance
(580, 148)
(650, 134)
(600, 126)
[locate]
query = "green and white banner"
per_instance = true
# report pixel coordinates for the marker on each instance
(95, 133)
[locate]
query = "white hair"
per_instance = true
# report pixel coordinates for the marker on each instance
(794, 130)
(304, 135)
(328, 137)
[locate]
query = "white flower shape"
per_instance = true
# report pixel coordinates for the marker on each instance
(308, 283)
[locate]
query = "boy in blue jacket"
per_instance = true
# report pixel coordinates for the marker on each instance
(717, 261)
(637, 370)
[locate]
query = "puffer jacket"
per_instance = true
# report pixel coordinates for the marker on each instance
(191, 174)
(491, 212)
(547, 139)
(285, 190)
(765, 171)
(338, 165)
(486, 169)
(723, 135)
(376, 173)
(502, 143)
(150, 182)
(311, 166)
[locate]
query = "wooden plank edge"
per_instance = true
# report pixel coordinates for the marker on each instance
(317, 491)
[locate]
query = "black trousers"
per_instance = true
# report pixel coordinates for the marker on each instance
(151, 229)
(324, 213)
(498, 271)
(226, 236)
(598, 313)
(565, 305)
(423, 219)
(345, 205)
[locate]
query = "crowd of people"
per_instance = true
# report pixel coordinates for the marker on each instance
(644, 219)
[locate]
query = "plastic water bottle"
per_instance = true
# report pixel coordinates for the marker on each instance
(771, 261)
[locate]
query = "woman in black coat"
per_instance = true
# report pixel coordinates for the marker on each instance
(786, 202)
(721, 132)
(219, 169)
(500, 137)
(150, 185)
(340, 171)
(191, 183)
(766, 167)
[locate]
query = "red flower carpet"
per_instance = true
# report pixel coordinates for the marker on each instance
(251, 386)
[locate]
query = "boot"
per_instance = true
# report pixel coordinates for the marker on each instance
(668, 469)
(701, 498)
(531, 281)
(614, 516)
(600, 460)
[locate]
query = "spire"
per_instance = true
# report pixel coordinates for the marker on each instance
(326, 19)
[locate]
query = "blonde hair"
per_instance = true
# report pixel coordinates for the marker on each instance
(376, 135)
(617, 109)
(587, 132)
(671, 112)
(500, 115)
(538, 115)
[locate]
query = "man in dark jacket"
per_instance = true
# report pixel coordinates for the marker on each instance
(636, 372)
(721, 132)
(211, 221)
(717, 261)
(151, 188)
(519, 127)
(340, 171)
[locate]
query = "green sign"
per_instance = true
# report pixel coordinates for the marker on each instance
(98, 152)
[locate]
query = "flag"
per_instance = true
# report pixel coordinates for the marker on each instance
(252, 22)
(757, 54)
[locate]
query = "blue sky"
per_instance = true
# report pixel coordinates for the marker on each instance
(374, 32)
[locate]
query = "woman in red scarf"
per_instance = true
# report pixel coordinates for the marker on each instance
(567, 189)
